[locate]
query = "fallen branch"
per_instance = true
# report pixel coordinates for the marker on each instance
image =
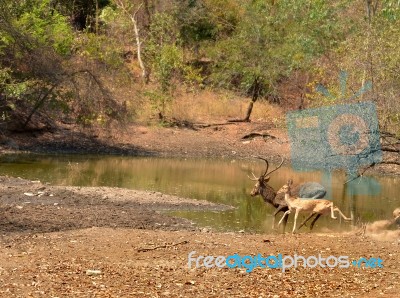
(360, 174)
(144, 249)
(389, 162)
(390, 149)
(201, 125)
(252, 135)
(238, 120)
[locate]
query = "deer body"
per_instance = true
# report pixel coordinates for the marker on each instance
(396, 213)
(396, 217)
(277, 200)
(312, 206)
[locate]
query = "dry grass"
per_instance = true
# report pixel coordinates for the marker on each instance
(209, 106)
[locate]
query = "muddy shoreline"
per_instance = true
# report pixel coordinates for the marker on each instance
(239, 140)
(52, 236)
(33, 207)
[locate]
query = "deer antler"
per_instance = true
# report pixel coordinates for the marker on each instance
(282, 160)
(254, 177)
(266, 161)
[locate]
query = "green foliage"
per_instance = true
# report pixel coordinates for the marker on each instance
(271, 40)
(372, 53)
(167, 61)
(159, 101)
(10, 87)
(47, 26)
(101, 48)
(390, 10)
(246, 46)
(164, 54)
(196, 23)
(48, 68)
(109, 15)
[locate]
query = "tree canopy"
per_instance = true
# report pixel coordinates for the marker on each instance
(64, 59)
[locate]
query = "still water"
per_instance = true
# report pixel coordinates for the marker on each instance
(216, 180)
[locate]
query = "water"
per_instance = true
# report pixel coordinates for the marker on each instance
(217, 180)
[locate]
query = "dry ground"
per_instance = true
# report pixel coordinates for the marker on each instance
(56, 264)
(51, 236)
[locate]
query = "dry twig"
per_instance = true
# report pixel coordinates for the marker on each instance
(144, 249)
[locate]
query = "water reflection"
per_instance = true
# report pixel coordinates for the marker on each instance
(220, 180)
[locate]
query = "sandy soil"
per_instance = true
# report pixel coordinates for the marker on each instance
(51, 236)
(57, 264)
(109, 242)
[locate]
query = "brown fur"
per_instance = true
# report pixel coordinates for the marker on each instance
(396, 213)
(277, 200)
(312, 206)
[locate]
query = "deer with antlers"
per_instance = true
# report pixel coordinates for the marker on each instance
(277, 200)
(312, 205)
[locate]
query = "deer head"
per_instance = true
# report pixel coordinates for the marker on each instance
(262, 181)
(286, 188)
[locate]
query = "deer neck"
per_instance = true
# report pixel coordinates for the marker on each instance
(268, 194)
(288, 198)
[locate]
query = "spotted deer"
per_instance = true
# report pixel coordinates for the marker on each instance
(270, 196)
(312, 205)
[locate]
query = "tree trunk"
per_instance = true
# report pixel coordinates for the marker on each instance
(38, 104)
(249, 110)
(254, 97)
(148, 13)
(371, 7)
(132, 16)
(97, 18)
(145, 75)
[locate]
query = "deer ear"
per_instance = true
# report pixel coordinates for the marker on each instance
(266, 179)
(290, 182)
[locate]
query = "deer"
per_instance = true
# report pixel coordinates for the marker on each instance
(312, 205)
(396, 217)
(396, 213)
(270, 196)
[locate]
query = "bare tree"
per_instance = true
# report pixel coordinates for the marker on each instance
(131, 12)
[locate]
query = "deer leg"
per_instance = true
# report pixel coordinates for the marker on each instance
(314, 220)
(295, 220)
(286, 213)
(307, 219)
(340, 212)
(279, 209)
(285, 222)
(332, 214)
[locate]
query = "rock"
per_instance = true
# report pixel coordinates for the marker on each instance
(93, 272)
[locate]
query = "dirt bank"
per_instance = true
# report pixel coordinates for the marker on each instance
(213, 141)
(51, 236)
(30, 206)
(234, 140)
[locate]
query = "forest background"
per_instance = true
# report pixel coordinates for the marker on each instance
(92, 63)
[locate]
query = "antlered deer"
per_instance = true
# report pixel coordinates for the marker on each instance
(308, 189)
